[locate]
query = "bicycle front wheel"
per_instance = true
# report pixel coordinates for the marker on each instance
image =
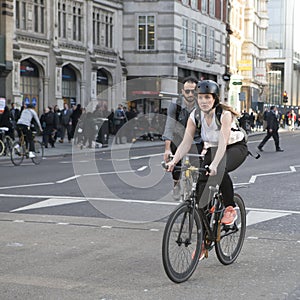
(17, 153)
(232, 237)
(182, 242)
(39, 152)
(8, 145)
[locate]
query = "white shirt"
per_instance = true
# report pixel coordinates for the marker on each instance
(210, 133)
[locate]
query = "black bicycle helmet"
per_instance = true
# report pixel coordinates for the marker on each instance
(209, 87)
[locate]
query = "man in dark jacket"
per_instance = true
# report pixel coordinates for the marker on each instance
(65, 122)
(178, 114)
(272, 129)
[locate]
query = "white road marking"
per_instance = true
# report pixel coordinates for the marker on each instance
(68, 179)
(48, 203)
(142, 168)
(254, 215)
(253, 177)
(25, 185)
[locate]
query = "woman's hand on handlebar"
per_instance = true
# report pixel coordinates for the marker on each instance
(170, 165)
(167, 155)
(212, 170)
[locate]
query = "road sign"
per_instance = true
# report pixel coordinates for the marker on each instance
(237, 83)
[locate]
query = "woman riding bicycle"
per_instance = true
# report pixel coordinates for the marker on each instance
(24, 125)
(225, 148)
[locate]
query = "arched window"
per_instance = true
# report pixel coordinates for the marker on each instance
(69, 89)
(30, 84)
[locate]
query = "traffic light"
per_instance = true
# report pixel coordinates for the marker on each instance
(285, 97)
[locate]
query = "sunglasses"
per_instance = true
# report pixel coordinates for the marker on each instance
(189, 91)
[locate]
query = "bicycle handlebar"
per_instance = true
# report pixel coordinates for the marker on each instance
(184, 168)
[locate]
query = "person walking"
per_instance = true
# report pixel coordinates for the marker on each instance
(75, 116)
(14, 116)
(49, 122)
(6, 121)
(177, 117)
(65, 123)
(119, 119)
(272, 129)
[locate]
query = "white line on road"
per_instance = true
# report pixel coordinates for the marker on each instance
(253, 177)
(25, 185)
(68, 179)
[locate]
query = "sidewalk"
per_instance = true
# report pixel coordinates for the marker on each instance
(65, 149)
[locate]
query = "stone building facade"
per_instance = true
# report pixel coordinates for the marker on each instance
(65, 51)
(162, 46)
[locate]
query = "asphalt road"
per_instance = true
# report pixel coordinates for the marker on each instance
(90, 227)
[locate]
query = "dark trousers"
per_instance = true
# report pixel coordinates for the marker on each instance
(275, 136)
(235, 155)
(65, 128)
(27, 135)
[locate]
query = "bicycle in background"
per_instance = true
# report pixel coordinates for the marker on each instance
(20, 150)
(6, 142)
(191, 232)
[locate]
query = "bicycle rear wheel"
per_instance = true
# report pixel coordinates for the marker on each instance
(2, 147)
(181, 250)
(39, 152)
(17, 153)
(232, 237)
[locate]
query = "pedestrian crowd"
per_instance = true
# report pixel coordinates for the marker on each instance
(257, 120)
(84, 127)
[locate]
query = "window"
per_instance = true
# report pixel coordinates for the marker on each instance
(62, 20)
(194, 4)
(185, 2)
(211, 47)
(204, 42)
(208, 44)
(146, 32)
(39, 16)
(77, 22)
(184, 42)
(212, 8)
(21, 15)
(102, 28)
(204, 6)
(108, 31)
(194, 38)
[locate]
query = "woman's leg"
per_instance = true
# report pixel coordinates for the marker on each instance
(234, 157)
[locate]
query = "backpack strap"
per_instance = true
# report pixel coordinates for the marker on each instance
(178, 108)
(218, 113)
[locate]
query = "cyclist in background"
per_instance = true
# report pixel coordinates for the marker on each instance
(225, 147)
(24, 124)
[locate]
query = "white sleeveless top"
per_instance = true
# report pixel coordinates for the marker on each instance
(210, 133)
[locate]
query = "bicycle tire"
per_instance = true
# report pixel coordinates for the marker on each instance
(17, 153)
(232, 237)
(180, 257)
(39, 152)
(8, 145)
(2, 147)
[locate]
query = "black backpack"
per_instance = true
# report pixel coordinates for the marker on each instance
(182, 115)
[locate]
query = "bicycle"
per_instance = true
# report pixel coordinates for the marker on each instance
(20, 151)
(191, 230)
(6, 142)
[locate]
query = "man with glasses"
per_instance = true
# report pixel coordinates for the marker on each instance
(178, 114)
